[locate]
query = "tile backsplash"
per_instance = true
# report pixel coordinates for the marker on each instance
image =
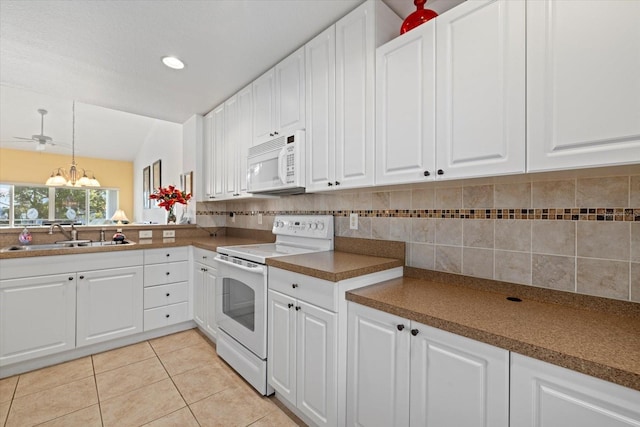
(577, 234)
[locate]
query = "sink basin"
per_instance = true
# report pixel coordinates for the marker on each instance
(63, 245)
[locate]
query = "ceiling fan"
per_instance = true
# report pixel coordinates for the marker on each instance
(40, 139)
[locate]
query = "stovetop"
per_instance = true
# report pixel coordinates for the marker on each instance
(295, 234)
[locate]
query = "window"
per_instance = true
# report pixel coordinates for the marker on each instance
(32, 205)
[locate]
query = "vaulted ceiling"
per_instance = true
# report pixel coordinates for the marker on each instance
(107, 56)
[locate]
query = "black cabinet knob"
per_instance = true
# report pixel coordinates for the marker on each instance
(400, 327)
(337, 182)
(414, 332)
(294, 285)
(204, 257)
(440, 172)
(427, 173)
(167, 315)
(275, 133)
(271, 134)
(289, 305)
(70, 278)
(297, 308)
(82, 277)
(168, 273)
(168, 294)
(330, 184)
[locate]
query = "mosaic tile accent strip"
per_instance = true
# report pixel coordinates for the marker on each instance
(553, 214)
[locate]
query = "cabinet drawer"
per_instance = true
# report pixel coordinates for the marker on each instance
(205, 257)
(162, 274)
(310, 289)
(165, 316)
(156, 256)
(156, 296)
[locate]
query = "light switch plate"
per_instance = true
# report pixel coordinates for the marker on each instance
(353, 221)
(168, 233)
(145, 234)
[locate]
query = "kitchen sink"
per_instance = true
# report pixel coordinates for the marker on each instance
(63, 245)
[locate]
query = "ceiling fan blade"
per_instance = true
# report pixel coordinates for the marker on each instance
(24, 139)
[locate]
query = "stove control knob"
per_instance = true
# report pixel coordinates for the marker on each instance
(320, 225)
(313, 225)
(279, 224)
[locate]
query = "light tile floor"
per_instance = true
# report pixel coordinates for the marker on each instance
(177, 380)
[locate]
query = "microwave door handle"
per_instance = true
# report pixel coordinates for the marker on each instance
(282, 165)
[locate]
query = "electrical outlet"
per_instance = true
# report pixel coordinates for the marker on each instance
(168, 233)
(259, 219)
(353, 221)
(145, 234)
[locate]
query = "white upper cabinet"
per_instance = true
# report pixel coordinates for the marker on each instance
(229, 146)
(204, 180)
(320, 98)
(279, 99)
(244, 136)
(480, 89)
(583, 83)
(218, 160)
(340, 74)
(405, 107)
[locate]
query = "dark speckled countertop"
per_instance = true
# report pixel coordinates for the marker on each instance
(597, 343)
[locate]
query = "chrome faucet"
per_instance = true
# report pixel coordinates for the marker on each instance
(73, 235)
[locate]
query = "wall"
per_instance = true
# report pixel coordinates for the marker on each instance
(163, 142)
(577, 231)
(27, 167)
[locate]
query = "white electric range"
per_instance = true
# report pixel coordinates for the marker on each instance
(241, 291)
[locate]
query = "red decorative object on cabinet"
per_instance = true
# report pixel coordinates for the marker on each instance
(420, 16)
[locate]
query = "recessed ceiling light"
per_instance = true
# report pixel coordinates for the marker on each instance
(173, 62)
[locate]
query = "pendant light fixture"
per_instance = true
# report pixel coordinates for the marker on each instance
(60, 176)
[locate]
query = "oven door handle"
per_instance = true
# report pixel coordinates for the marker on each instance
(258, 269)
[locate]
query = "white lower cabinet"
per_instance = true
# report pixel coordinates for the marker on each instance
(547, 395)
(204, 291)
(109, 305)
(405, 373)
(303, 356)
(37, 316)
(166, 287)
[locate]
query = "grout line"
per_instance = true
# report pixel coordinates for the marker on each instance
(95, 383)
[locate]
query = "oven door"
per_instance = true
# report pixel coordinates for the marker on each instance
(241, 302)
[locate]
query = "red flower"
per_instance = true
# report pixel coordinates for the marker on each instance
(169, 196)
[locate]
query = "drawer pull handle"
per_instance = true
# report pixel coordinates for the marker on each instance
(204, 257)
(414, 332)
(289, 305)
(297, 308)
(168, 294)
(400, 327)
(167, 315)
(294, 285)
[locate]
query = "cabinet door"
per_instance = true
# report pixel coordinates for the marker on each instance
(230, 152)
(316, 361)
(405, 107)
(206, 165)
(37, 317)
(244, 136)
(321, 110)
(281, 339)
(457, 381)
(263, 107)
(583, 89)
(110, 304)
(198, 294)
(551, 396)
(290, 94)
(378, 368)
(219, 161)
(209, 287)
(481, 89)
(355, 107)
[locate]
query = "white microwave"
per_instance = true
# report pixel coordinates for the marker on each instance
(277, 166)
